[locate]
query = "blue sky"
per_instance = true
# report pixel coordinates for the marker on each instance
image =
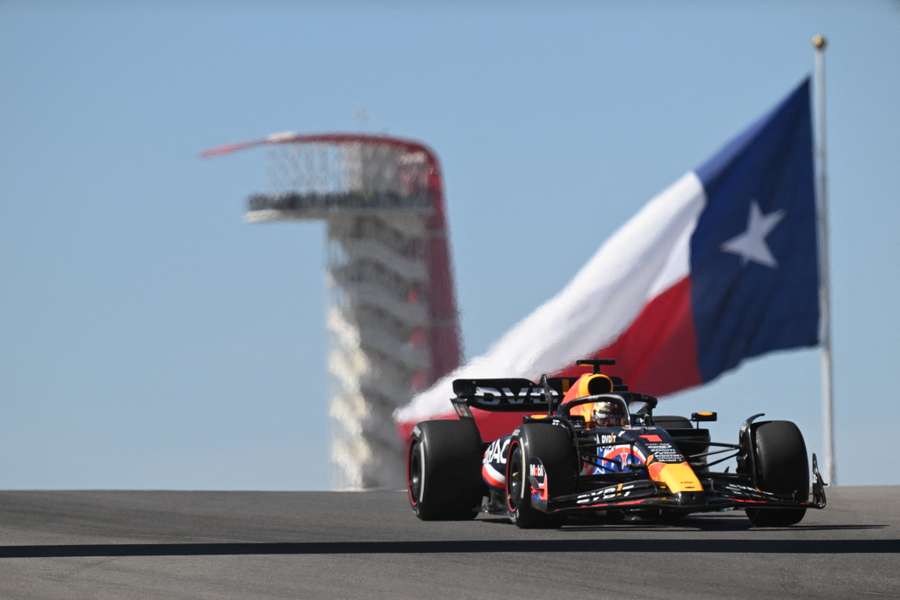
(151, 339)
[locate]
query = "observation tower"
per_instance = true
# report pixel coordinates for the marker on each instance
(391, 315)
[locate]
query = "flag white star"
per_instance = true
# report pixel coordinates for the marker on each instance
(751, 245)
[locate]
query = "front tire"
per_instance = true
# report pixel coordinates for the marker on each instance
(444, 471)
(782, 467)
(553, 446)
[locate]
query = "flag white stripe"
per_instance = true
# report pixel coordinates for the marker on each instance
(642, 259)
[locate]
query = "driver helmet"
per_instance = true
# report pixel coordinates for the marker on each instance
(603, 413)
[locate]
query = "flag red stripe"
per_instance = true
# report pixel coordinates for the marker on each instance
(656, 354)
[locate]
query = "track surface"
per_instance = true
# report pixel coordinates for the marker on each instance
(369, 545)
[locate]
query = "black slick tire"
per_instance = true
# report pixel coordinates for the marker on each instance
(443, 471)
(782, 467)
(553, 446)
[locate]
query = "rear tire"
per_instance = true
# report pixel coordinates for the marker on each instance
(553, 446)
(444, 471)
(782, 467)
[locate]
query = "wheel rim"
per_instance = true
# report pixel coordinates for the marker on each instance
(514, 478)
(416, 480)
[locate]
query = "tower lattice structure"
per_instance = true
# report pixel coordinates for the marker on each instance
(391, 315)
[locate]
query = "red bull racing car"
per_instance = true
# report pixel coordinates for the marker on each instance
(591, 447)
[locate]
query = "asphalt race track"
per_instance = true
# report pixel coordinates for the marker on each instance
(369, 545)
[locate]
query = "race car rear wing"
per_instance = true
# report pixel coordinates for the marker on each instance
(508, 395)
(523, 395)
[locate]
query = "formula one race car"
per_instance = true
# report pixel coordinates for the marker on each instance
(595, 448)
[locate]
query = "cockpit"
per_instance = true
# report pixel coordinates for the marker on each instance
(600, 410)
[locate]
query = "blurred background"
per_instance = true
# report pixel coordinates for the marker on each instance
(152, 339)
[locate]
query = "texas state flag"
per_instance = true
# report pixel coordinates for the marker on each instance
(720, 267)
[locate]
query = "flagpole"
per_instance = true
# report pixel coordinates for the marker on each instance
(819, 43)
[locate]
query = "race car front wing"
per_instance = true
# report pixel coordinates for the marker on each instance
(720, 491)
